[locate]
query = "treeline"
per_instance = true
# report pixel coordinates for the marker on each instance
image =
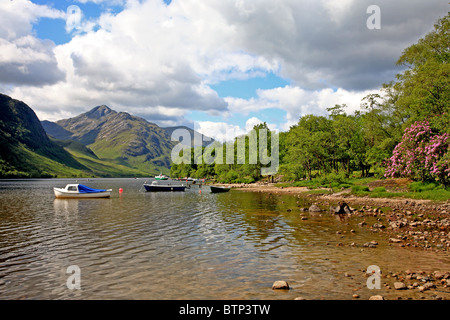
(402, 131)
(238, 161)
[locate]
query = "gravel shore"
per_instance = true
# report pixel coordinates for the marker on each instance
(410, 224)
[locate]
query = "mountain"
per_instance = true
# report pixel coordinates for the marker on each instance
(25, 148)
(98, 143)
(120, 138)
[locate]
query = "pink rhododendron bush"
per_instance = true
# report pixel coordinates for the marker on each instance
(421, 155)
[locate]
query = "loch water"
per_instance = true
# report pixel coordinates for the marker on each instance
(184, 245)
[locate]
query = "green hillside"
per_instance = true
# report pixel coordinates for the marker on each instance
(116, 138)
(26, 150)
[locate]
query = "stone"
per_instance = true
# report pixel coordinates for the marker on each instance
(377, 297)
(280, 285)
(399, 286)
(372, 244)
(342, 208)
(314, 208)
(395, 240)
(426, 286)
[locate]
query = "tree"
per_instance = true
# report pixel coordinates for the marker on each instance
(424, 87)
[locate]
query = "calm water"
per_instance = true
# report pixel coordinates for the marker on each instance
(187, 245)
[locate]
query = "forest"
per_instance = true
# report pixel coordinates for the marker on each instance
(401, 132)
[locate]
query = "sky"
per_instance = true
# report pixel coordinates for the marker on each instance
(220, 66)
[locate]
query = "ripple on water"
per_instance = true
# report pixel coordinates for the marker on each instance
(180, 246)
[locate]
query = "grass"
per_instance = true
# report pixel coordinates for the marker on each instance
(416, 190)
(103, 168)
(39, 166)
(360, 187)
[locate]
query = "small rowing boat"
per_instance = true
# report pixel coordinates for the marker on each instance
(219, 189)
(79, 191)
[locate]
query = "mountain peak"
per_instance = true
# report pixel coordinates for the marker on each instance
(99, 112)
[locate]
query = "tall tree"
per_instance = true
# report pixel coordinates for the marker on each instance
(424, 87)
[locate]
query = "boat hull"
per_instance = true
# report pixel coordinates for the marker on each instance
(219, 189)
(154, 188)
(64, 194)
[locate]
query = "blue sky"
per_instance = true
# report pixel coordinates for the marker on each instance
(224, 65)
(54, 29)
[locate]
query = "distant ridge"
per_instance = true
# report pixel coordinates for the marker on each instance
(121, 138)
(25, 148)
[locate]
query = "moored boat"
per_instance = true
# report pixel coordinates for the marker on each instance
(79, 191)
(162, 177)
(164, 188)
(219, 189)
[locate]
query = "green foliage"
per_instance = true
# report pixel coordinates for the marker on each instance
(424, 87)
(358, 189)
(421, 187)
(241, 169)
(379, 189)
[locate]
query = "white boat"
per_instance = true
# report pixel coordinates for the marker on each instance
(162, 177)
(79, 191)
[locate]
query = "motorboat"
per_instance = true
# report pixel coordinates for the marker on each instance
(79, 191)
(162, 177)
(155, 187)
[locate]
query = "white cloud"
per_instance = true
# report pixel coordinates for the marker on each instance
(298, 102)
(24, 59)
(18, 16)
(219, 131)
(157, 60)
(107, 2)
(223, 131)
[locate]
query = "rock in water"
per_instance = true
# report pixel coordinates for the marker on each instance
(280, 285)
(342, 208)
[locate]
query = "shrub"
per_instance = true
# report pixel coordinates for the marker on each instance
(360, 188)
(421, 155)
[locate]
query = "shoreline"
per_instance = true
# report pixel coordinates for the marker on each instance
(403, 218)
(410, 224)
(344, 195)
